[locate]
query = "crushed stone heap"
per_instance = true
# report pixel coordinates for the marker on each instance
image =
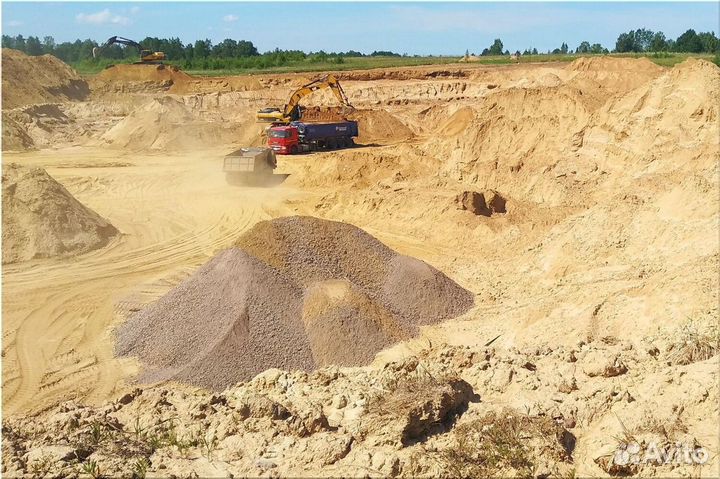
(293, 293)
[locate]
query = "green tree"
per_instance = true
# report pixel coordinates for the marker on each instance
(48, 44)
(584, 47)
(658, 43)
(626, 42)
(643, 39)
(597, 49)
(688, 42)
(8, 41)
(496, 48)
(174, 49)
(225, 49)
(20, 43)
(246, 49)
(709, 42)
(202, 49)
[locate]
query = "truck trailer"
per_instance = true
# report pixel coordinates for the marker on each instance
(298, 136)
(249, 165)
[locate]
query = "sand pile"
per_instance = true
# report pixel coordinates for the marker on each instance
(27, 80)
(604, 64)
(42, 219)
(155, 73)
(165, 123)
(294, 293)
(168, 78)
(379, 126)
(612, 75)
(319, 114)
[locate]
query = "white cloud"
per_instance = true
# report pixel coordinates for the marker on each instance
(134, 10)
(101, 18)
(231, 18)
(14, 23)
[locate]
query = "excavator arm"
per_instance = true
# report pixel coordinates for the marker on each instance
(112, 41)
(291, 110)
(146, 56)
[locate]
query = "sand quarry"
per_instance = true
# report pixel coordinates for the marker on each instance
(520, 256)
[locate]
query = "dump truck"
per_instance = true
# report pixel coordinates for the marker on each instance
(300, 137)
(249, 165)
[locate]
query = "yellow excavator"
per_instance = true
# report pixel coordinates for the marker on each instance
(146, 56)
(292, 110)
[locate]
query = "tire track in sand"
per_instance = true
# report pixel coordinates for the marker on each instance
(58, 313)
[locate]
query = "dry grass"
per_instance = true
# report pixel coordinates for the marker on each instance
(694, 341)
(509, 444)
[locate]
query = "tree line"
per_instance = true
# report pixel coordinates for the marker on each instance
(229, 53)
(641, 40)
(200, 54)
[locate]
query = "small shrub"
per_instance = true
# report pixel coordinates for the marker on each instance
(140, 468)
(694, 341)
(507, 444)
(92, 469)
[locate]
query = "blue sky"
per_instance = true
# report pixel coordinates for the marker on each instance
(404, 27)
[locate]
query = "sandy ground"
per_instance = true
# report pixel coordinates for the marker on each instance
(609, 242)
(174, 213)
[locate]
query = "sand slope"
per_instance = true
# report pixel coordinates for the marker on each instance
(27, 80)
(42, 219)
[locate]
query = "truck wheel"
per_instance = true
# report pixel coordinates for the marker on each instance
(294, 150)
(331, 144)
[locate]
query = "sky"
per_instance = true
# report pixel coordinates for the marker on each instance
(403, 27)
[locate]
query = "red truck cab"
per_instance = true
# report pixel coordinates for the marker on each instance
(284, 140)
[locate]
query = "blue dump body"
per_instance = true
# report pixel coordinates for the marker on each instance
(313, 131)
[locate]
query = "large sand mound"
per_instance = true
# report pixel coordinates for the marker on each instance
(612, 75)
(165, 123)
(295, 293)
(604, 64)
(140, 73)
(169, 78)
(42, 219)
(138, 78)
(27, 80)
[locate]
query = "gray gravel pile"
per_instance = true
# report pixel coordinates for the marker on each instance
(294, 293)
